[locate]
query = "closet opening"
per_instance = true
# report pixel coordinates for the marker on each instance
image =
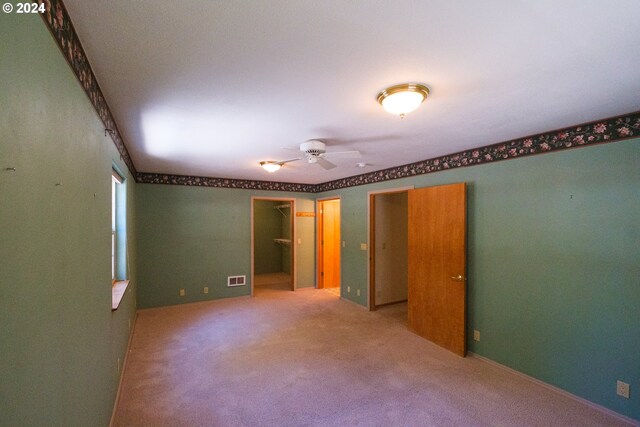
(388, 257)
(272, 248)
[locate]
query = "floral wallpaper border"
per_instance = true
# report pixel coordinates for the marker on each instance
(60, 26)
(245, 184)
(597, 132)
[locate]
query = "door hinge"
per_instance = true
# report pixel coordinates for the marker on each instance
(322, 273)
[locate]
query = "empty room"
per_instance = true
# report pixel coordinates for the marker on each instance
(303, 213)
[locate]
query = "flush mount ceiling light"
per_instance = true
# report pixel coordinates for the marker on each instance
(271, 166)
(404, 98)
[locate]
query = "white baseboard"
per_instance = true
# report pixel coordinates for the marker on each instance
(548, 386)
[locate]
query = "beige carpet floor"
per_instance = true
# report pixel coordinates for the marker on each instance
(333, 291)
(306, 358)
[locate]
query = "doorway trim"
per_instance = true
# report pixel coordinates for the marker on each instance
(371, 306)
(293, 239)
(319, 251)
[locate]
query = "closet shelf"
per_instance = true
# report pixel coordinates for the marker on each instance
(283, 242)
(280, 207)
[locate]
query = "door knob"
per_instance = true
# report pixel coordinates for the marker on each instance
(458, 278)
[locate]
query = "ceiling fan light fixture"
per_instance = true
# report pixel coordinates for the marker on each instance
(271, 166)
(403, 98)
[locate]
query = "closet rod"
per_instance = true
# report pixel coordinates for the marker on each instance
(280, 207)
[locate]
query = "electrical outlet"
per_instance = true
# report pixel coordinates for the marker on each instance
(476, 335)
(348, 289)
(205, 290)
(181, 292)
(622, 389)
(358, 292)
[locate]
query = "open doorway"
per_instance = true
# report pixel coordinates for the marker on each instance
(272, 251)
(388, 232)
(430, 223)
(328, 245)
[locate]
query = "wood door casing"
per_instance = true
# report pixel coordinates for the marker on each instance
(319, 241)
(437, 256)
(372, 252)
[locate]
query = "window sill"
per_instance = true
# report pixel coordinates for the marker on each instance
(117, 293)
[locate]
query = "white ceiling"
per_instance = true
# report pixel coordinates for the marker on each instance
(211, 88)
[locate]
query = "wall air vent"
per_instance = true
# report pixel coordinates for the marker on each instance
(236, 280)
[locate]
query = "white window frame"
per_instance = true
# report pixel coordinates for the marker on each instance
(116, 179)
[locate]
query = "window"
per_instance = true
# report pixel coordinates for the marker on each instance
(118, 234)
(119, 262)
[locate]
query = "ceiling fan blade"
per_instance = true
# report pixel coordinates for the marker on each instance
(326, 164)
(288, 161)
(345, 154)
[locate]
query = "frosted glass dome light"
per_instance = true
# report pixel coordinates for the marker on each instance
(271, 166)
(404, 98)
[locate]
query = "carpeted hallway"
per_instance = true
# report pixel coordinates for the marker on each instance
(306, 358)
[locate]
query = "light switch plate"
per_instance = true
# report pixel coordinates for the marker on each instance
(363, 246)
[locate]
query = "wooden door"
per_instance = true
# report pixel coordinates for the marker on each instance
(437, 265)
(330, 244)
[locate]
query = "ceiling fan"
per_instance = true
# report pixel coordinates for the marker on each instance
(314, 152)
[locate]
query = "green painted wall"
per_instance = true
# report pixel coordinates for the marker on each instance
(553, 251)
(267, 223)
(193, 237)
(59, 340)
(554, 264)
